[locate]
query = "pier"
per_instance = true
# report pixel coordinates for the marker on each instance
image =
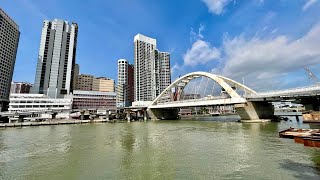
(50, 123)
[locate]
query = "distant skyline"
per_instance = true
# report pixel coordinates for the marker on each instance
(264, 43)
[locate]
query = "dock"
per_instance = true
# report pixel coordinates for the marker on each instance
(50, 123)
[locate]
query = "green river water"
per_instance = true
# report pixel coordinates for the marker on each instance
(156, 150)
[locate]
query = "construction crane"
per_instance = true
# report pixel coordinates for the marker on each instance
(312, 76)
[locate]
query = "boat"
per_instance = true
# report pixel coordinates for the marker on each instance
(293, 132)
(307, 137)
(311, 117)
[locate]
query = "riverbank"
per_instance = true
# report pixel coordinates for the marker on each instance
(52, 122)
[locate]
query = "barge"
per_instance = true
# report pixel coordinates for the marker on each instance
(311, 117)
(307, 137)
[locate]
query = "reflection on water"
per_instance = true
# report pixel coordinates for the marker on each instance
(156, 150)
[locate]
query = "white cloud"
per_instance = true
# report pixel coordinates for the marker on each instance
(201, 28)
(308, 4)
(174, 68)
(201, 52)
(216, 6)
(199, 35)
(263, 61)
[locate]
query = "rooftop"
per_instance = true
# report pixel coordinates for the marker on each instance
(140, 37)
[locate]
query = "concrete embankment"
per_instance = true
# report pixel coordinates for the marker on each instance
(49, 123)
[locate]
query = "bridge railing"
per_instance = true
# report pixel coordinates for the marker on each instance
(293, 91)
(192, 100)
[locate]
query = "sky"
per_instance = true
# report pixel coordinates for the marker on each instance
(264, 43)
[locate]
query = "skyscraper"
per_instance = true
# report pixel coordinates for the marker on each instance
(125, 83)
(56, 60)
(151, 69)
(9, 39)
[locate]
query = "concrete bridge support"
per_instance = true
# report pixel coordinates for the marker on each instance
(128, 116)
(145, 115)
(163, 114)
(82, 114)
(21, 118)
(107, 115)
(54, 115)
(255, 111)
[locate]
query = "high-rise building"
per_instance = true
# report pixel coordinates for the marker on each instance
(151, 69)
(125, 95)
(9, 39)
(20, 88)
(56, 60)
(161, 73)
(87, 82)
(130, 97)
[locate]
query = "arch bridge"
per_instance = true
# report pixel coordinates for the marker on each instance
(199, 89)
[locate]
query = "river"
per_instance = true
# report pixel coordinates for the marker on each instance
(156, 150)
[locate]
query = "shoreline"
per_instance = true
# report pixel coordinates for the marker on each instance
(51, 123)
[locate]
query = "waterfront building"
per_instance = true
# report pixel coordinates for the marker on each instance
(56, 59)
(151, 69)
(9, 39)
(20, 87)
(125, 86)
(87, 82)
(39, 103)
(94, 100)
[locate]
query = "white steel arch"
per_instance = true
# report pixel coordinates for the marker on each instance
(222, 81)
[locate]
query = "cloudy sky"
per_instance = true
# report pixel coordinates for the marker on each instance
(265, 43)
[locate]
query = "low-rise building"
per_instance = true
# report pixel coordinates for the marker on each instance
(87, 82)
(40, 103)
(84, 82)
(103, 84)
(94, 100)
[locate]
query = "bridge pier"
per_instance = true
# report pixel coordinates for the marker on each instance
(255, 111)
(54, 115)
(82, 114)
(107, 115)
(21, 118)
(163, 114)
(145, 115)
(128, 116)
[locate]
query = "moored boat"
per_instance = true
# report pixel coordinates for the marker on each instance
(292, 132)
(307, 137)
(311, 117)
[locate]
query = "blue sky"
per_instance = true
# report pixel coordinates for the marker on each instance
(265, 42)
